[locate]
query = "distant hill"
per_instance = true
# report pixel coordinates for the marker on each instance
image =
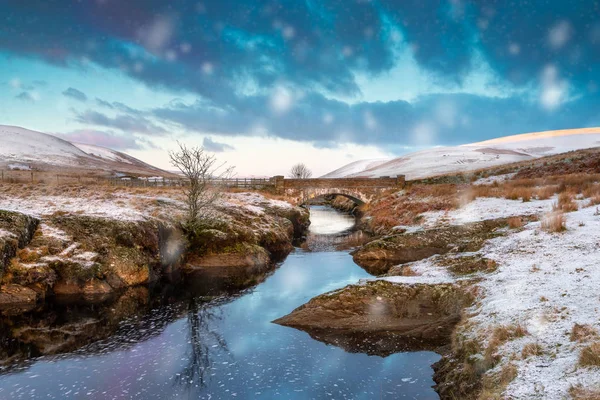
(474, 156)
(23, 149)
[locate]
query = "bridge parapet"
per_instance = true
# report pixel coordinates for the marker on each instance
(358, 189)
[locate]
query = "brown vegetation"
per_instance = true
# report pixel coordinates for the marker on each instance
(515, 222)
(531, 349)
(590, 355)
(582, 333)
(554, 222)
(583, 393)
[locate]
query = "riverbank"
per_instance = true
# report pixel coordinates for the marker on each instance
(86, 244)
(524, 250)
(182, 341)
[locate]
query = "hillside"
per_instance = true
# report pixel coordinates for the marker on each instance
(23, 149)
(474, 156)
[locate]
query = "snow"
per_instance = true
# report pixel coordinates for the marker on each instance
(484, 208)
(355, 167)
(494, 179)
(5, 233)
(24, 149)
(562, 267)
(46, 205)
(253, 202)
(102, 152)
(23, 145)
(474, 156)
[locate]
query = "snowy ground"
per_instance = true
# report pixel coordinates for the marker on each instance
(546, 282)
(127, 204)
(484, 208)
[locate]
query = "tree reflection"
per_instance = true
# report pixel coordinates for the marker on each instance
(204, 339)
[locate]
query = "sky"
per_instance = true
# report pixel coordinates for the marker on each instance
(267, 84)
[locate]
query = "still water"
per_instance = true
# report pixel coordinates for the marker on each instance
(225, 348)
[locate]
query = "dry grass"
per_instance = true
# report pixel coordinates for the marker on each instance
(583, 332)
(515, 222)
(532, 349)
(590, 355)
(565, 203)
(494, 384)
(582, 393)
(404, 208)
(554, 222)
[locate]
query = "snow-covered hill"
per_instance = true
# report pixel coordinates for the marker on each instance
(473, 156)
(354, 167)
(24, 149)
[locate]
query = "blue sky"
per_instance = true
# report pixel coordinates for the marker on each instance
(266, 84)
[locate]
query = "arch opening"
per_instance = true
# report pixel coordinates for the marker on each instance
(328, 197)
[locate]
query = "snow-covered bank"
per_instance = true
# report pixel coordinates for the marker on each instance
(548, 282)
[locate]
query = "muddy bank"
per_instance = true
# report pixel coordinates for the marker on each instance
(82, 258)
(381, 317)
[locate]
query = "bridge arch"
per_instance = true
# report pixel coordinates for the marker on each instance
(354, 198)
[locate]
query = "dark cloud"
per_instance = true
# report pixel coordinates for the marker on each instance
(217, 49)
(126, 123)
(25, 96)
(215, 147)
(434, 119)
(75, 94)
(104, 103)
(101, 138)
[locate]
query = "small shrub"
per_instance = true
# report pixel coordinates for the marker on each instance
(583, 393)
(544, 193)
(590, 355)
(554, 222)
(515, 222)
(565, 203)
(531, 349)
(494, 384)
(583, 332)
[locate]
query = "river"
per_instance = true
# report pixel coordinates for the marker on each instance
(199, 347)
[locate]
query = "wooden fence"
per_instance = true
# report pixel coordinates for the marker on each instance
(49, 178)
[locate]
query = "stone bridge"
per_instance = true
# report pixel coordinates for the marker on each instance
(359, 190)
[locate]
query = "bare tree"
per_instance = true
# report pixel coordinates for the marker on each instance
(202, 172)
(300, 171)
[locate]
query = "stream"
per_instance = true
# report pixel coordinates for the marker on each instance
(188, 346)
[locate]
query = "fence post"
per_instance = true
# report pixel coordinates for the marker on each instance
(31, 176)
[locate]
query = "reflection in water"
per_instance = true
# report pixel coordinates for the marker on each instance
(182, 345)
(201, 317)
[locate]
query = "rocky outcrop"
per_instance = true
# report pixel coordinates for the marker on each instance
(378, 256)
(83, 258)
(380, 317)
(243, 250)
(16, 231)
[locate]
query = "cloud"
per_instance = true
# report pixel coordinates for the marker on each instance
(215, 147)
(75, 94)
(448, 119)
(125, 123)
(101, 138)
(25, 96)
(281, 71)
(104, 103)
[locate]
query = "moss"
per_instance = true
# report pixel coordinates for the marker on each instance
(466, 265)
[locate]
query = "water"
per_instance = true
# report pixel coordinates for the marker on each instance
(199, 348)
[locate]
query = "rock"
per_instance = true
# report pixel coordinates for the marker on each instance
(241, 267)
(380, 255)
(16, 231)
(380, 317)
(16, 298)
